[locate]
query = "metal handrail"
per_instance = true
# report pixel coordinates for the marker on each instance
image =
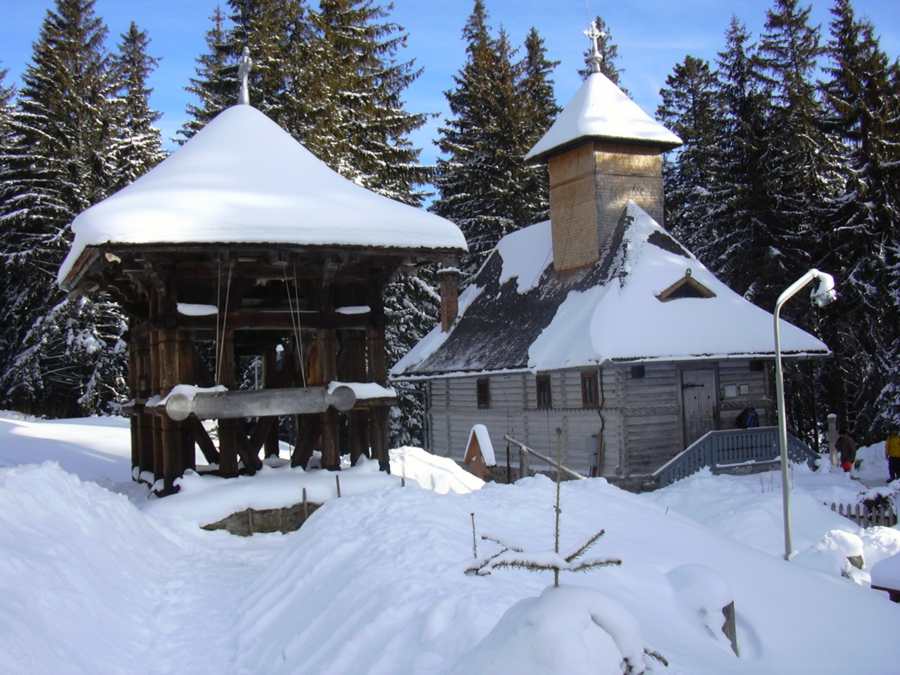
(730, 447)
(559, 467)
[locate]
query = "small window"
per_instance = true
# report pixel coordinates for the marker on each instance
(686, 287)
(589, 390)
(544, 397)
(483, 387)
(637, 372)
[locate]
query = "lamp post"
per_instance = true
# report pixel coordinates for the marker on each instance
(822, 295)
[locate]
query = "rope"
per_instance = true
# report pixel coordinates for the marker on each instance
(224, 324)
(218, 313)
(299, 327)
(295, 322)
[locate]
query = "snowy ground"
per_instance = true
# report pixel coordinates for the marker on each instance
(99, 582)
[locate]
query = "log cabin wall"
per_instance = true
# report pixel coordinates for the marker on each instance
(641, 417)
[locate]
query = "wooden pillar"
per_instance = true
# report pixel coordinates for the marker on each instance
(352, 368)
(229, 430)
(271, 380)
(171, 445)
(141, 340)
(134, 420)
(185, 374)
(328, 346)
(377, 362)
(155, 386)
(331, 457)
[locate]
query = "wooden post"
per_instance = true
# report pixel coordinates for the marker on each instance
(185, 374)
(135, 420)
(377, 362)
(271, 380)
(142, 340)
(331, 458)
(352, 368)
(155, 375)
(228, 429)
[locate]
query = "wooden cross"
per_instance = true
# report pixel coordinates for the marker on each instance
(244, 67)
(593, 33)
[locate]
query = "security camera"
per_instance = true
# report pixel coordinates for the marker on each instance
(823, 294)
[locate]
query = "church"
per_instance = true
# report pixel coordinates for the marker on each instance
(597, 327)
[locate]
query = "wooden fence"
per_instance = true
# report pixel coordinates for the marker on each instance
(865, 516)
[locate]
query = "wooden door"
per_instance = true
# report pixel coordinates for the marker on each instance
(699, 396)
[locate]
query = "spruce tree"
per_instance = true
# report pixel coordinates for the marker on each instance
(366, 134)
(609, 51)
(539, 112)
(690, 107)
(137, 147)
(210, 87)
(57, 356)
(800, 158)
(478, 180)
(862, 223)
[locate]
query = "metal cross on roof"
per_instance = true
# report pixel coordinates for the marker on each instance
(593, 33)
(244, 67)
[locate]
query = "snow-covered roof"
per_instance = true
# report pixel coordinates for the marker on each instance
(243, 179)
(518, 314)
(601, 110)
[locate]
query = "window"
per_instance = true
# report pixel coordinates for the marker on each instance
(757, 365)
(544, 397)
(637, 372)
(589, 390)
(483, 387)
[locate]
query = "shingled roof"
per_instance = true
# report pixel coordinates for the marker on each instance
(650, 300)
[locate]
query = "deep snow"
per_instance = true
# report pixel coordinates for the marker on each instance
(374, 583)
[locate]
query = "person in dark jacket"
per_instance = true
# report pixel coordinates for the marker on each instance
(846, 446)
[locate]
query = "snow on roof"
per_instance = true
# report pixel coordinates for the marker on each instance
(601, 110)
(606, 314)
(480, 432)
(243, 179)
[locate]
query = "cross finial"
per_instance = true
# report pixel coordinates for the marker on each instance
(593, 33)
(243, 74)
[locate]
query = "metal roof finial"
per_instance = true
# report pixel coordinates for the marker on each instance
(593, 33)
(244, 66)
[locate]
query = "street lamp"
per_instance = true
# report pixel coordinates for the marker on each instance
(823, 294)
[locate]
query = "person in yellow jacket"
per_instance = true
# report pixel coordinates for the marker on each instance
(892, 452)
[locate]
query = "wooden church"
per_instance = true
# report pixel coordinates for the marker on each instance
(597, 323)
(243, 245)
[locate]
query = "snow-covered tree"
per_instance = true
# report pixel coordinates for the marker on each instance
(690, 107)
(540, 111)
(800, 158)
(213, 92)
(480, 177)
(137, 147)
(862, 223)
(57, 356)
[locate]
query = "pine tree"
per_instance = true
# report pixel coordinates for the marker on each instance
(366, 134)
(862, 223)
(138, 146)
(800, 167)
(609, 51)
(478, 180)
(690, 107)
(539, 112)
(57, 356)
(210, 86)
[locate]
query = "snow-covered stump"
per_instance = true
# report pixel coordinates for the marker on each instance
(705, 596)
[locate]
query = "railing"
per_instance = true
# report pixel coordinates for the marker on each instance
(524, 469)
(729, 449)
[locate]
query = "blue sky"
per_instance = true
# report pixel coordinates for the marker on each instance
(652, 36)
